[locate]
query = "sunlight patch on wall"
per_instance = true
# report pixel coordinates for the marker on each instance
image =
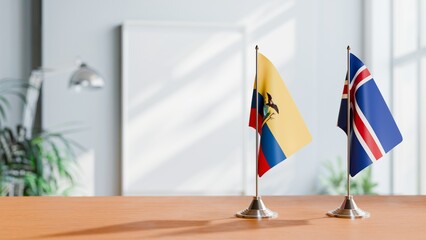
(266, 12)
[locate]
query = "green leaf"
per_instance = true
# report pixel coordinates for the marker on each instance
(47, 161)
(30, 180)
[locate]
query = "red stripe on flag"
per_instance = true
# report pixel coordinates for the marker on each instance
(252, 120)
(366, 135)
(345, 89)
(363, 74)
(263, 165)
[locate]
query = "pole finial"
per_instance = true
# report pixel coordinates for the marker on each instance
(257, 47)
(349, 48)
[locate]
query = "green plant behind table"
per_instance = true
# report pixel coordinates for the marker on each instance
(334, 179)
(36, 165)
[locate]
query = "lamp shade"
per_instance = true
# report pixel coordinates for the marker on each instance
(86, 77)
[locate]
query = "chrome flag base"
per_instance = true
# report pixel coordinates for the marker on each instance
(349, 209)
(257, 209)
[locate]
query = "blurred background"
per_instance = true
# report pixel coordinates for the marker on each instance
(172, 118)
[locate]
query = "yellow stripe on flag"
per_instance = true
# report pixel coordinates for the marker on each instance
(288, 127)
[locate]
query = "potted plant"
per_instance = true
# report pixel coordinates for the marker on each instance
(40, 164)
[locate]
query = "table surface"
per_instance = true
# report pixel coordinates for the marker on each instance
(300, 217)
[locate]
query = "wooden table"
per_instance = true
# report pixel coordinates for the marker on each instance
(301, 217)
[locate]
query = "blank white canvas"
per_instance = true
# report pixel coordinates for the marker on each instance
(183, 96)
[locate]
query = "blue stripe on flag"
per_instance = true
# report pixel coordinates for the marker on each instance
(378, 115)
(253, 102)
(342, 120)
(355, 65)
(270, 147)
(359, 158)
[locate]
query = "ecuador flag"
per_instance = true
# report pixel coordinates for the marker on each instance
(280, 125)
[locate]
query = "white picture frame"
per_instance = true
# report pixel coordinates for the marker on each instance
(198, 149)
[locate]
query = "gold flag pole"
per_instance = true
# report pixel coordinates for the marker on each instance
(348, 209)
(257, 208)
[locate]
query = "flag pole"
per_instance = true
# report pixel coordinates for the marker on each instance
(257, 208)
(257, 128)
(348, 123)
(348, 209)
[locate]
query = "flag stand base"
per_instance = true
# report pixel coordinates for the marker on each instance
(257, 209)
(349, 209)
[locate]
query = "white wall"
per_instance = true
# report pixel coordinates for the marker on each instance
(15, 47)
(378, 59)
(394, 58)
(306, 40)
